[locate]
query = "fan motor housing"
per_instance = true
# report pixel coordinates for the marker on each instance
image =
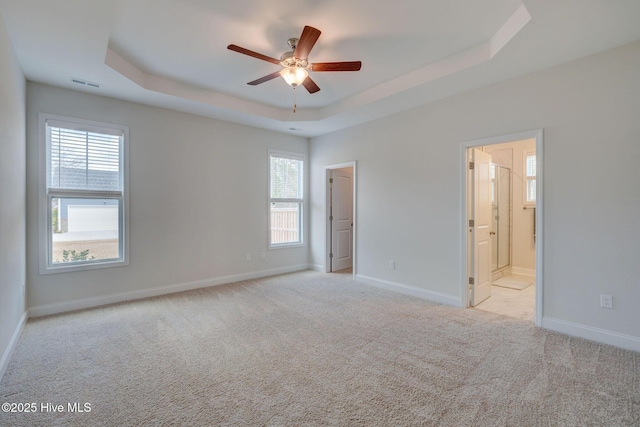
(288, 60)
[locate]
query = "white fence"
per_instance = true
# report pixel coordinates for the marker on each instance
(284, 225)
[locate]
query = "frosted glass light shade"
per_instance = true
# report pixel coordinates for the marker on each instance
(294, 76)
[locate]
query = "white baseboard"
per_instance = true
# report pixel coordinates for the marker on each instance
(410, 290)
(8, 352)
(628, 342)
(523, 271)
(317, 267)
(79, 304)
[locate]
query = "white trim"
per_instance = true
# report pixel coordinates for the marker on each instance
(409, 290)
(523, 271)
(317, 267)
(603, 336)
(327, 240)
(44, 220)
(525, 179)
(83, 125)
(8, 352)
(539, 218)
(286, 245)
(62, 307)
(538, 135)
(292, 155)
(302, 214)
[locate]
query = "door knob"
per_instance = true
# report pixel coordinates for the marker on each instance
(492, 232)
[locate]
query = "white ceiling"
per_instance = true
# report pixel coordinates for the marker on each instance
(172, 53)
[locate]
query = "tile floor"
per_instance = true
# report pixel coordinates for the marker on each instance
(511, 302)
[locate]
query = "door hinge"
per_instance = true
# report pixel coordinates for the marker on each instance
(471, 281)
(330, 180)
(330, 255)
(331, 218)
(472, 223)
(471, 165)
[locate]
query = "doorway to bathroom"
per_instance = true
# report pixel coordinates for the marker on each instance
(501, 205)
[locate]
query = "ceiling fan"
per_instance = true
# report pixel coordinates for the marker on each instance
(295, 67)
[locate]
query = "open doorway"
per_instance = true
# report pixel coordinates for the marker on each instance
(340, 209)
(502, 199)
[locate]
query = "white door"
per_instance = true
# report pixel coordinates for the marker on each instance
(480, 214)
(341, 184)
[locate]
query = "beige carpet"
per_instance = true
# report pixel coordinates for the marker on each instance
(313, 349)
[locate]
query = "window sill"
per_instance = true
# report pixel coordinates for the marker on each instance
(82, 267)
(287, 246)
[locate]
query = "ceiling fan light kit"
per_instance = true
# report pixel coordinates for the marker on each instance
(295, 66)
(294, 76)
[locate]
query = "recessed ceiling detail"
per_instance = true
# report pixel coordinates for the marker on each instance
(173, 54)
(483, 51)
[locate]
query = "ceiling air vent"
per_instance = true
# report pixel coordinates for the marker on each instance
(84, 82)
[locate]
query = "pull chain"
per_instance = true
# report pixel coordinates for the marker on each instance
(294, 100)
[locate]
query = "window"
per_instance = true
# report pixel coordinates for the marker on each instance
(530, 182)
(285, 199)
(84, 200)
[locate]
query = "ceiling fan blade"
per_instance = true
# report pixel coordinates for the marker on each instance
(308, 38)
(257, 55)
(336, 66)
(310, 85)
(265, 78)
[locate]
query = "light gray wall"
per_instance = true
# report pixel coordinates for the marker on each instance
(409, 189)
(12, 195)
(198, 199)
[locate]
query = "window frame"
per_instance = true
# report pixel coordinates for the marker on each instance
(45, 195)
(301, 201)
(527, 178)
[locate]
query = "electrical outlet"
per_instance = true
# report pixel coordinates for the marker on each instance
(606, 301)
(392, 264)
(263, 255)
(248, 256)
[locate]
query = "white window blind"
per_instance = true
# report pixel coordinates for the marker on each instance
(84, 214)
(84, 160)
(530, 166)
(286, 178)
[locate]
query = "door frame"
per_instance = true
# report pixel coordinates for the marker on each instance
(327, 224)
(538, 134)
